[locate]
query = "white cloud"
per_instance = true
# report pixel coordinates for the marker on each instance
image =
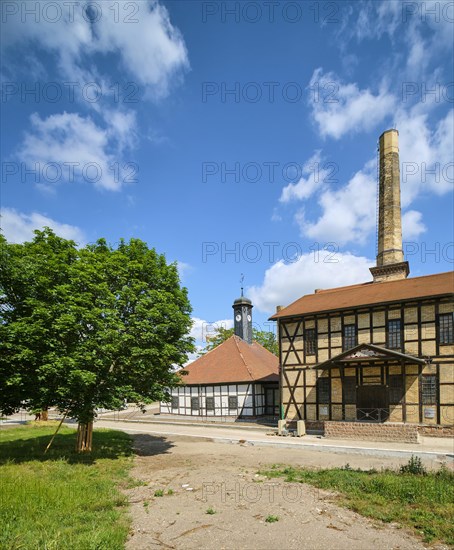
(338, 108)
(18, 227)
(426, 135)
(306, 186)
(183, 269)
(151, 49)
(121, 127)
(275, 216)
(348, 214)
(285, 282)
(69, 147)
(420, 30)
(148, 47)
(374, 20)
(412, 225)
(425, 155)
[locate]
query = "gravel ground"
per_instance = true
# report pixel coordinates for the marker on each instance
(222, 478)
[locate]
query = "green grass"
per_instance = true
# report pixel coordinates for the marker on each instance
(424, 503)
(63, 500)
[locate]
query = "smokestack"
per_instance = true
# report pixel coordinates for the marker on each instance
(390, 257)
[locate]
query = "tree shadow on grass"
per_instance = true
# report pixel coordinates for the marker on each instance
(107, 444)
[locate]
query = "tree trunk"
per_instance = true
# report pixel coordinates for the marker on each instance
(84, 437)
(44, 415)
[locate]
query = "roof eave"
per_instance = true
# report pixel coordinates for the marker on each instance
(278, 317)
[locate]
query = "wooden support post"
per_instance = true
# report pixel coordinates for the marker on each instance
(56, 432)
(84, 437)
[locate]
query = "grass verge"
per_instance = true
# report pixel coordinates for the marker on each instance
(63, 499)
(425, 503)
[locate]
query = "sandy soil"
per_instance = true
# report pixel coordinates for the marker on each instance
(203, 474)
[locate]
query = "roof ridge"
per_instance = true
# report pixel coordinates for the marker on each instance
(211, 350)
(261, 347)
(324, 290)
(355, 285)
(243, 359)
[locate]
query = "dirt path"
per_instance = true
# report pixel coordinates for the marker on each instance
(222, 477)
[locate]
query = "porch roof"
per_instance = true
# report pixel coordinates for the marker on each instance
(367, 354)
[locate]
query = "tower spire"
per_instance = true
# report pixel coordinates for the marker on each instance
(390, 257)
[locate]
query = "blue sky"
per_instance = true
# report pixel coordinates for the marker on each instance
(236, 138)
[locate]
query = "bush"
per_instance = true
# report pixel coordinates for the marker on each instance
(414, 466)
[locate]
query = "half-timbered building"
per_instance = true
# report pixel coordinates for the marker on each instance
(237, 379)
(381, 351)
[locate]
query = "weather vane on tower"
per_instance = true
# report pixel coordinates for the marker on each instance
(241, 281)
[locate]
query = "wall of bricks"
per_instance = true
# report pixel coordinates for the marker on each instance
(389, 431)
(436, 431)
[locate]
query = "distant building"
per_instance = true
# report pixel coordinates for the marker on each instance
(381, 351)
(237, 379)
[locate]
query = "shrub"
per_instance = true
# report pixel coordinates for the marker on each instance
(414, 466)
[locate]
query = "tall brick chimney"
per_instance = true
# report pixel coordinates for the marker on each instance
(390, 258)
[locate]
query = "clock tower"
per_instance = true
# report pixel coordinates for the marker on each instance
(242, 318)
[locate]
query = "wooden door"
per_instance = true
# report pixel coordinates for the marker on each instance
(272, 401)
(372, 403)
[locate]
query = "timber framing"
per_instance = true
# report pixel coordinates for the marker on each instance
(421, 355)
(252, 400)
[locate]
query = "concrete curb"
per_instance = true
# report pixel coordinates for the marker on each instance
(367, 451)
(192, 424)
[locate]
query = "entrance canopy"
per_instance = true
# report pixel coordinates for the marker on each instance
(367, 355)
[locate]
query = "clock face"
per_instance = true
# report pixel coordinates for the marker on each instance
(238, 317)
(249, 318)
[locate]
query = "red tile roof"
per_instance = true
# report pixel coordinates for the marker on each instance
(370, 293)
(231, 362)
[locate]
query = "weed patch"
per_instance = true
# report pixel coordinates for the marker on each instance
(411, 496)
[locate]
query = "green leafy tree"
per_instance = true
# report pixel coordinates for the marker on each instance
(117, 325)
(267, 339)
(30, 273)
